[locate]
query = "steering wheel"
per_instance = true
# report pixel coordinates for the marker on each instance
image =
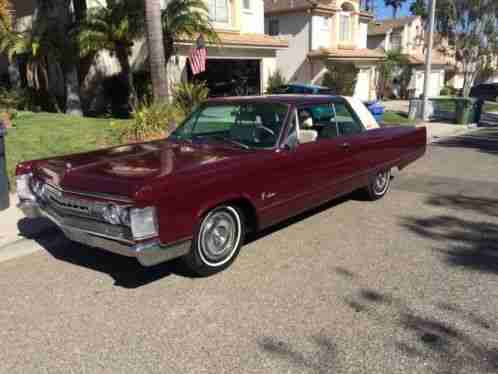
(267, 129)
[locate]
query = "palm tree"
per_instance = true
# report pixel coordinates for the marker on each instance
(113, 27)
(395, 4)
(156, 50)
(42, 46)
(50, 52)
(185, 19)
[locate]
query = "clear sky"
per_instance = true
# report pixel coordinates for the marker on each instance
(381, 11)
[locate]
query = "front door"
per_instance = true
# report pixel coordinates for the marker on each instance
(320, 162)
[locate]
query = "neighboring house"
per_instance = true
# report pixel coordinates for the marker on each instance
(323, 34)
(245, 58)
(406, 34)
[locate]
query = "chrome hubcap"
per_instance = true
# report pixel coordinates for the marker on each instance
(219, 237)
(381, 182)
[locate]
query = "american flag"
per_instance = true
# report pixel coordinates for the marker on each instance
(198, 56)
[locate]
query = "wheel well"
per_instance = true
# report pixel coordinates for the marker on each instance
(249, 212)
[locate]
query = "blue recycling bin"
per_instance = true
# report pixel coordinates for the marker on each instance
(376, 109)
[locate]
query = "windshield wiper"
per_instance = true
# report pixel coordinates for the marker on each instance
(230, 140)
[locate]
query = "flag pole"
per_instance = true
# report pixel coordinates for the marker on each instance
(428, 62)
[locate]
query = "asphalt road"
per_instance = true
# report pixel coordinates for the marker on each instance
(408, 284)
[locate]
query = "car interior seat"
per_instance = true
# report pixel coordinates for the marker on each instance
(306, 134)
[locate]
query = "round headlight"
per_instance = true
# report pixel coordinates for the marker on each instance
(112, 214)
(124, 216)
(38, 188)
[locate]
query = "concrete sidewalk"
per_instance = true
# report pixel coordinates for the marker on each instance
(16, 232)
(9, 218)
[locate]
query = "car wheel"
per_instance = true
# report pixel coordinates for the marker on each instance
(379, 184)
(217, 241)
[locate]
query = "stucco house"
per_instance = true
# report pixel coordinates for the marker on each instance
(245, 54)
(407, 35)
(323, 35)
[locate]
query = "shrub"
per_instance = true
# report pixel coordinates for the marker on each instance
(341, 79)
(150, 121)
(16, 99)
(275, 81)
(448, 91)
(187, 96)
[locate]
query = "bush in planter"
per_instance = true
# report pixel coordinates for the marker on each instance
(275, 81)
(341, 78)
(187, 96)
(150, 121)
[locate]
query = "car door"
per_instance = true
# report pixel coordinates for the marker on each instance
(305, 174)
(352, 135)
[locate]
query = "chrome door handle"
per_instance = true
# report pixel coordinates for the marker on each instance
(345, 145)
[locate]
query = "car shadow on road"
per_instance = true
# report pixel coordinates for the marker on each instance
(252, 237)
(448, 338)
(127, 272)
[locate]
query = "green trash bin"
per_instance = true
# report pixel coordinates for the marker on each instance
(468, 110)
(4, 178)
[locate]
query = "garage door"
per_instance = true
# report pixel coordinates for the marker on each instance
(434, 84)
(230, 77)
(362, 88)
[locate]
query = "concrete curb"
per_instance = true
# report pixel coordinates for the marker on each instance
(19, 248)
(27, 245)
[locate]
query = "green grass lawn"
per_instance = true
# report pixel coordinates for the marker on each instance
(490, 107)
(40, 135)
(395, 118)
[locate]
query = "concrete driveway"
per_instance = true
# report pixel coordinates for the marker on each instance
(408, 284)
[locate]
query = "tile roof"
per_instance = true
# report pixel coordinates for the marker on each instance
(438, 58)
(254, 39)
(382, 27)
(349, 54)
(248, 39)
(277, 6)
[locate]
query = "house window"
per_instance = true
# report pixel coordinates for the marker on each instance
(325, 23)
(395, 41)
(274, 27)
(218, 10)
(344, 27)
(246, 4)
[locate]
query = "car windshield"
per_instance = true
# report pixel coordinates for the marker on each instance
(251, 125)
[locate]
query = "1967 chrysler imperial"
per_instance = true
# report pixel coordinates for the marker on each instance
(235, 165)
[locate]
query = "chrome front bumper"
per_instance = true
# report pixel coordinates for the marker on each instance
(147, 253)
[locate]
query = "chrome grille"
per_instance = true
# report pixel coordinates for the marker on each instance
(55, 198)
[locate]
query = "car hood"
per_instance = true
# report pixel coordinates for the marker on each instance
(124, 170)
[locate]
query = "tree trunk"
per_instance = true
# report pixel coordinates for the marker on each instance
(73, 99)
(155, 45)
(395, 11)
(124, 60)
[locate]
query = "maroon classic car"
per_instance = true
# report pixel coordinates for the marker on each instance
(235, 165)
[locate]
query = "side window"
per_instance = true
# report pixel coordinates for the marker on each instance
(320, 119)
(347, 122)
